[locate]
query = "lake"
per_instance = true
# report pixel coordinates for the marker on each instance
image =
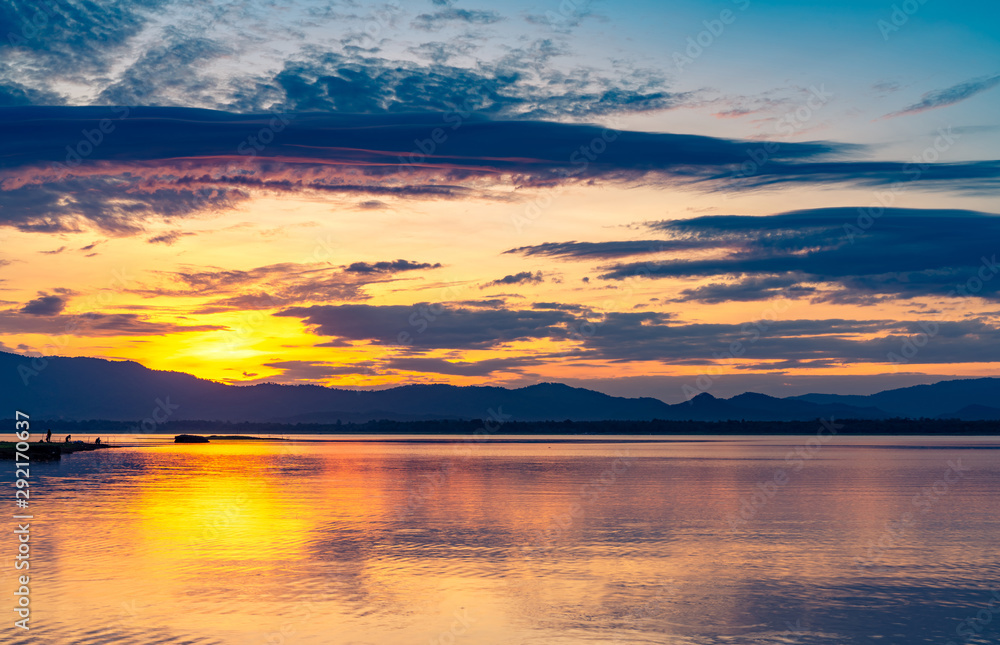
(687, 540)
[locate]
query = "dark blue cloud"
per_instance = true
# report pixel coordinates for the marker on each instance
(903, 252)
(389, 267)
(431, 326)
(114, 167)
(438, 19)
(524, 277)
(463, 368)
(950, 95)
(517, 85)
(600, 250)
(641, 336)
(793, 342)
(73, 34)
(42, 134)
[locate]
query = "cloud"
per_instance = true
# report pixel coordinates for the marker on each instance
(168, 238)
(622, 337)
(431, 326)
(390, 267)
(14, 94)
(886, 86)
(168, 73)
(72, 34)
(94, 324)
(169, 163)
(438, 19)
(269, 287)
(520, 85)
(117, 204)
(462, 368)
(629, 337)
(949, 96)
(524, 277)
(905, 253)
(601, 250)
(44, 305)
(749, 289)
(568, 16)
(558, 305)
(299, 371)
(162, 52)
(276, 285)
(20, 349)
(441, 53)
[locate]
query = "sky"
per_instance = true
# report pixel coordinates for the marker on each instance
(643, 198)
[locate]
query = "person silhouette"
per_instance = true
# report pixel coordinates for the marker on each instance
(98, 442)
(48, 437)
(68, 437)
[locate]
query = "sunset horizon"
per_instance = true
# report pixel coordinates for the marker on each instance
(372, 322)
(602, 211)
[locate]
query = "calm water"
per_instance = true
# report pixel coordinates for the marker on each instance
(690, 542)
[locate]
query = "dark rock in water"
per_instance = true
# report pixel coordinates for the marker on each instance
(190, 438)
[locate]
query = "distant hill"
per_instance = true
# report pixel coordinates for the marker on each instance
(944, 399)
(91, 388)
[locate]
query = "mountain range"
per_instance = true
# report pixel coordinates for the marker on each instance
(92, 388)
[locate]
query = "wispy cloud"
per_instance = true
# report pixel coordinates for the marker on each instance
(524, 277)
(948, 96)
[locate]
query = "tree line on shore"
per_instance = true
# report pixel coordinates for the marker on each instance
(479, 427)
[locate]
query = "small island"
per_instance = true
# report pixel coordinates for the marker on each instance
(190, 438)
(242, 437)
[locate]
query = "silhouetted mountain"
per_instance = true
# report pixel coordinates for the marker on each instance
(942, 399)
(761, 407)
(91, 388)
(792, 409)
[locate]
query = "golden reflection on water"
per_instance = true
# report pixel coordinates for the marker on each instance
(365, 542)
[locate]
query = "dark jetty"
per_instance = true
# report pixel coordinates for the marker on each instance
(41, 451)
